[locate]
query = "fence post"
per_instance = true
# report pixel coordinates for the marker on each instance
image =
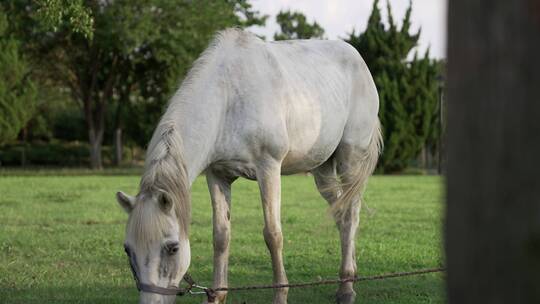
(493, 152)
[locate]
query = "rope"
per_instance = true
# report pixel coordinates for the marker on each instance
(211, 292)
(331, 281)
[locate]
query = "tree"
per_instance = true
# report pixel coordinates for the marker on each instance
(99, 65)
(408, 91)
(17, 91)
(493, 189)
(294, 25)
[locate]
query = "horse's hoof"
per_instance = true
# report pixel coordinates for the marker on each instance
(346, 298)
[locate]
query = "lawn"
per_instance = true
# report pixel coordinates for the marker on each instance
(61, 240)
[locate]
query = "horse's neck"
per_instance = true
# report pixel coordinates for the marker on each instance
(196, 154)
(195, 110)
(196, 123)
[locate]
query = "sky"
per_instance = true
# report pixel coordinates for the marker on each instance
(339, 17)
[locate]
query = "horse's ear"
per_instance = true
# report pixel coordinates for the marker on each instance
(165, 203)
(127, 202)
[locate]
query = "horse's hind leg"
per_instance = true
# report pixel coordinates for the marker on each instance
(329, 185)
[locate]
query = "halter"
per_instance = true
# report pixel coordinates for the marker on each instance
(167, 291)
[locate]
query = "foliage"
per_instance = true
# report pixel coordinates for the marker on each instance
(68, 125)
(408, 91)
(17, 91)
(70, 13)
(294, 25)
(77, 219)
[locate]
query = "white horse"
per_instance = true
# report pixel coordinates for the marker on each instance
(257, 110)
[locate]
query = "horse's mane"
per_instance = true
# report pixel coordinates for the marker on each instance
(165, 175)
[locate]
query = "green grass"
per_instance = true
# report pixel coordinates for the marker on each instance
(61, 240)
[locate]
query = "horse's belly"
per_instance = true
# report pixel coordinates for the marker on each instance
(314, 129)
(303, 157)
(296, 162)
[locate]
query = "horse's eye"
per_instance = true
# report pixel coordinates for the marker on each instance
(172, 247)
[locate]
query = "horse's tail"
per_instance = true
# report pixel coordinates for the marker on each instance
(355, 177)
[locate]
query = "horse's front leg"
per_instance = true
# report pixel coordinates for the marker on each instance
(269, 179)
(220, 192)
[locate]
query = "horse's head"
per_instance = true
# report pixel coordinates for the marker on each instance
(156, 243)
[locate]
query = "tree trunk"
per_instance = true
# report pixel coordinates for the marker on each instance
(493, 184)
(423, 157)
(118, 150)
(95, 122)
(94, 112)
(117, 137)
(95, 100)
(95, 141)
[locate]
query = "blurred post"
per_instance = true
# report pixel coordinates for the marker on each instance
(440, 152)
(493, 152)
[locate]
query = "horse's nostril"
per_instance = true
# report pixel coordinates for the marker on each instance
(172, 247)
